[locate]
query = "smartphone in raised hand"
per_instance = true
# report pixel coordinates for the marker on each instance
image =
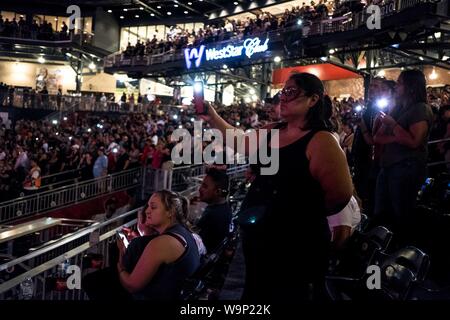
(124, 238)
(199, 98)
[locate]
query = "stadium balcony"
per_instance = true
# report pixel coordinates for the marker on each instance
(309, 39)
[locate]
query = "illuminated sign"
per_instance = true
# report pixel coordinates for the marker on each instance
(248, 48)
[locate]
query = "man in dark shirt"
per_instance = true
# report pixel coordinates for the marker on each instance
(215, 222)
(123, 160)
(362, 152)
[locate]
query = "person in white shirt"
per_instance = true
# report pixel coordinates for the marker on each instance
(344, 223)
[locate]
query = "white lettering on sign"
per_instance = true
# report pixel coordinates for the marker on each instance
(249, 48)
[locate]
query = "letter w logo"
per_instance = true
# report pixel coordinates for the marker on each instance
(196, 54)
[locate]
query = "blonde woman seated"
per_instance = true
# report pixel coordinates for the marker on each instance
(168, 258)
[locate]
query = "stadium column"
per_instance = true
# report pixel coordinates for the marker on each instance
(266, 79)
(217, 92)
(368, 76)
(79, 71)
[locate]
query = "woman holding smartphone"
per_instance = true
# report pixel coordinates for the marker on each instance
(404, 133)
(169, 257)
(287, 248)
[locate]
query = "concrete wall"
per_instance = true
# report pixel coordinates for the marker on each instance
(101, 82)
(443, 76)
(352, 87)
(106, 31)
(24, 74)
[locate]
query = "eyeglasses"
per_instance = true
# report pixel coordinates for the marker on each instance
(291, 94)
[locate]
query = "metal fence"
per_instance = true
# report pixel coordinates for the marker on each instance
(42, 269)
(68, 103)
(78, 36)
(42, 202)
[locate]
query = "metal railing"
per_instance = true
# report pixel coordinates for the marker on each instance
(45, 263)
(76, 36)
(50, 180)
(346, 22)
(64, 196)
(182, 176)
(67, 103)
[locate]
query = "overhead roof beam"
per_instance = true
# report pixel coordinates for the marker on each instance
(189, 8)
(148, 8)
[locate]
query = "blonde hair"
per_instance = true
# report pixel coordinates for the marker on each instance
(177, 204)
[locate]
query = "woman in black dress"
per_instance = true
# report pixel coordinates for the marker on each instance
(286, 247)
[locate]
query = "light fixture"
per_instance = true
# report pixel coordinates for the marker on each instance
(252, 91)
(65, 118)
(200, 0)
(445, 58)
(236, 3)
(109, 11)
(433, 75)
(136, 16)
(141, 8)
(381, 73)
(323, 58)
(175, 5)
(175, 117)
(277, 59)
(169, 13)
(238, 123)
(56, 19)
(190, 3)
(186, 12)
(152, 14)
(299, 22)
(437, 35)
(331, 51)
(225, 67)
(41, 60)
(192, 119)
(159, 7)
(122, 17)
(358, 108)
(92, 66)
(125, 9)
(421, 58)
(55, 122)
(180, 126)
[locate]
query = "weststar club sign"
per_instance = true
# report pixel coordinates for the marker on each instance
(196, 56)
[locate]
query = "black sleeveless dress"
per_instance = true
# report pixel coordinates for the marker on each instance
(286, 251)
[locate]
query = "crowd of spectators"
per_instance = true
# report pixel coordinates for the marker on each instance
(178, 38)
(31, 29)
(144, 138)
